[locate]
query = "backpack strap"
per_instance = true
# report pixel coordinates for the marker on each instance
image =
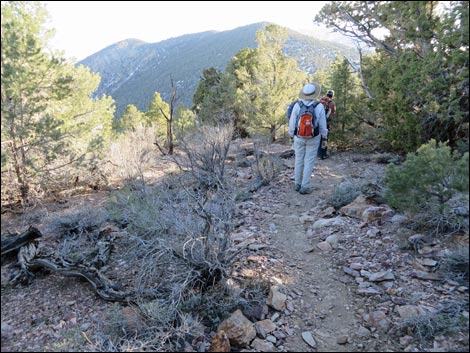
(301, 104)
(314, 114)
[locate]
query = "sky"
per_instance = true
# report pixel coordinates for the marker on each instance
(82, 28)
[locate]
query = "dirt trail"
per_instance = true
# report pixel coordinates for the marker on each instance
(322, 304)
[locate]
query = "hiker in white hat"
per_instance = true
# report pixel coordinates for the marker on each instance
(307, 125)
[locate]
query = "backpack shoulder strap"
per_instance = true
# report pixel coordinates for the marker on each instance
(314, 114)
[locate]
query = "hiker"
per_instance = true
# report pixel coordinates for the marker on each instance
(307, 135)
(330, 110)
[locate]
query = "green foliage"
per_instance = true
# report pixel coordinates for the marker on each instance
(418, 79)
(48, 117)
(353, 120)
(210, 78)
(185, 121)
(427, 181)
(276, 78)
(219, 100)
(130, 120)
(255, 88)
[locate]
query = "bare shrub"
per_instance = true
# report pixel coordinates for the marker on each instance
(444, 219)
(456, 264)
(183, 222)
(179, 244)
(447, 320)
(133, 153)
(205, 153)
(85, 219)
(266, 166)
(80, 230)
(220, 301)
(147, 326)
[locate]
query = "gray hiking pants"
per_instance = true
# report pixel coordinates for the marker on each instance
(305, 154)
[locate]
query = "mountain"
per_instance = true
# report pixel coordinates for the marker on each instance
(132, 70)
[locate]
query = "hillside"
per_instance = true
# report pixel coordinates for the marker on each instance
(349, 280)
(132, 70)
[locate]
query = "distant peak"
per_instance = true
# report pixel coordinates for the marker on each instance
(130, 42)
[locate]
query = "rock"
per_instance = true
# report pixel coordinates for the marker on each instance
(373, 213)
(381, 276)
(378, 319)
(343, 339)
(398, 219)
(328, 222)
(276, 299)
(355, 208)
(409, 311)
(363, 332)
(308, 338)
(263, 346)
(332, 240)
(264, 327)
(324, 246)
(239, 330)
(7, 331)
(426, 275)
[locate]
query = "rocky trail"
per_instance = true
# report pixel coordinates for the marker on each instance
(348, 282)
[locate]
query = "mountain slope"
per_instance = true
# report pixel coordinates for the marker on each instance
(132, 70)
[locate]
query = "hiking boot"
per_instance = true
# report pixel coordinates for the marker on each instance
(297, 187)
(305, 191)
(324, 157)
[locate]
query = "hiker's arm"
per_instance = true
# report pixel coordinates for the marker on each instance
(320, 112)
(292, 120)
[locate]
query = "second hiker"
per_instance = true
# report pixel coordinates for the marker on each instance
(330, 110)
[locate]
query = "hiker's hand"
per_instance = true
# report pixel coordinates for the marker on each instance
(324, 143)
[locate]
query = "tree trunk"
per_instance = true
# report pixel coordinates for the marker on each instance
(14, 244)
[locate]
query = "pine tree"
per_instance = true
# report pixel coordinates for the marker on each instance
(268, 82)
(48, 119)
(418, 78)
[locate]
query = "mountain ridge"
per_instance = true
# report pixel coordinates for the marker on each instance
(133, 70)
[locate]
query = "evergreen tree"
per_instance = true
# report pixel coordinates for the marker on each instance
(155, 116)
(130, 119)
(418, 80)
(269, 81)
(350, 113)
(210, 79)
(48, 119)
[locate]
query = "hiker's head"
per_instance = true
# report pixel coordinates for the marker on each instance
(310, 91)
(330, 93)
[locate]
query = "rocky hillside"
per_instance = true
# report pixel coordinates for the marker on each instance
(354, 278)
(132, 70)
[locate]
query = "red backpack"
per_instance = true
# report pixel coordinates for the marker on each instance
(307, 122)
(325, 100)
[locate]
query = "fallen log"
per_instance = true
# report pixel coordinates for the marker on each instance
(30, 261)
(14, 244)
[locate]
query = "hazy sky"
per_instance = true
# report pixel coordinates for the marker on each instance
(85, 27)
